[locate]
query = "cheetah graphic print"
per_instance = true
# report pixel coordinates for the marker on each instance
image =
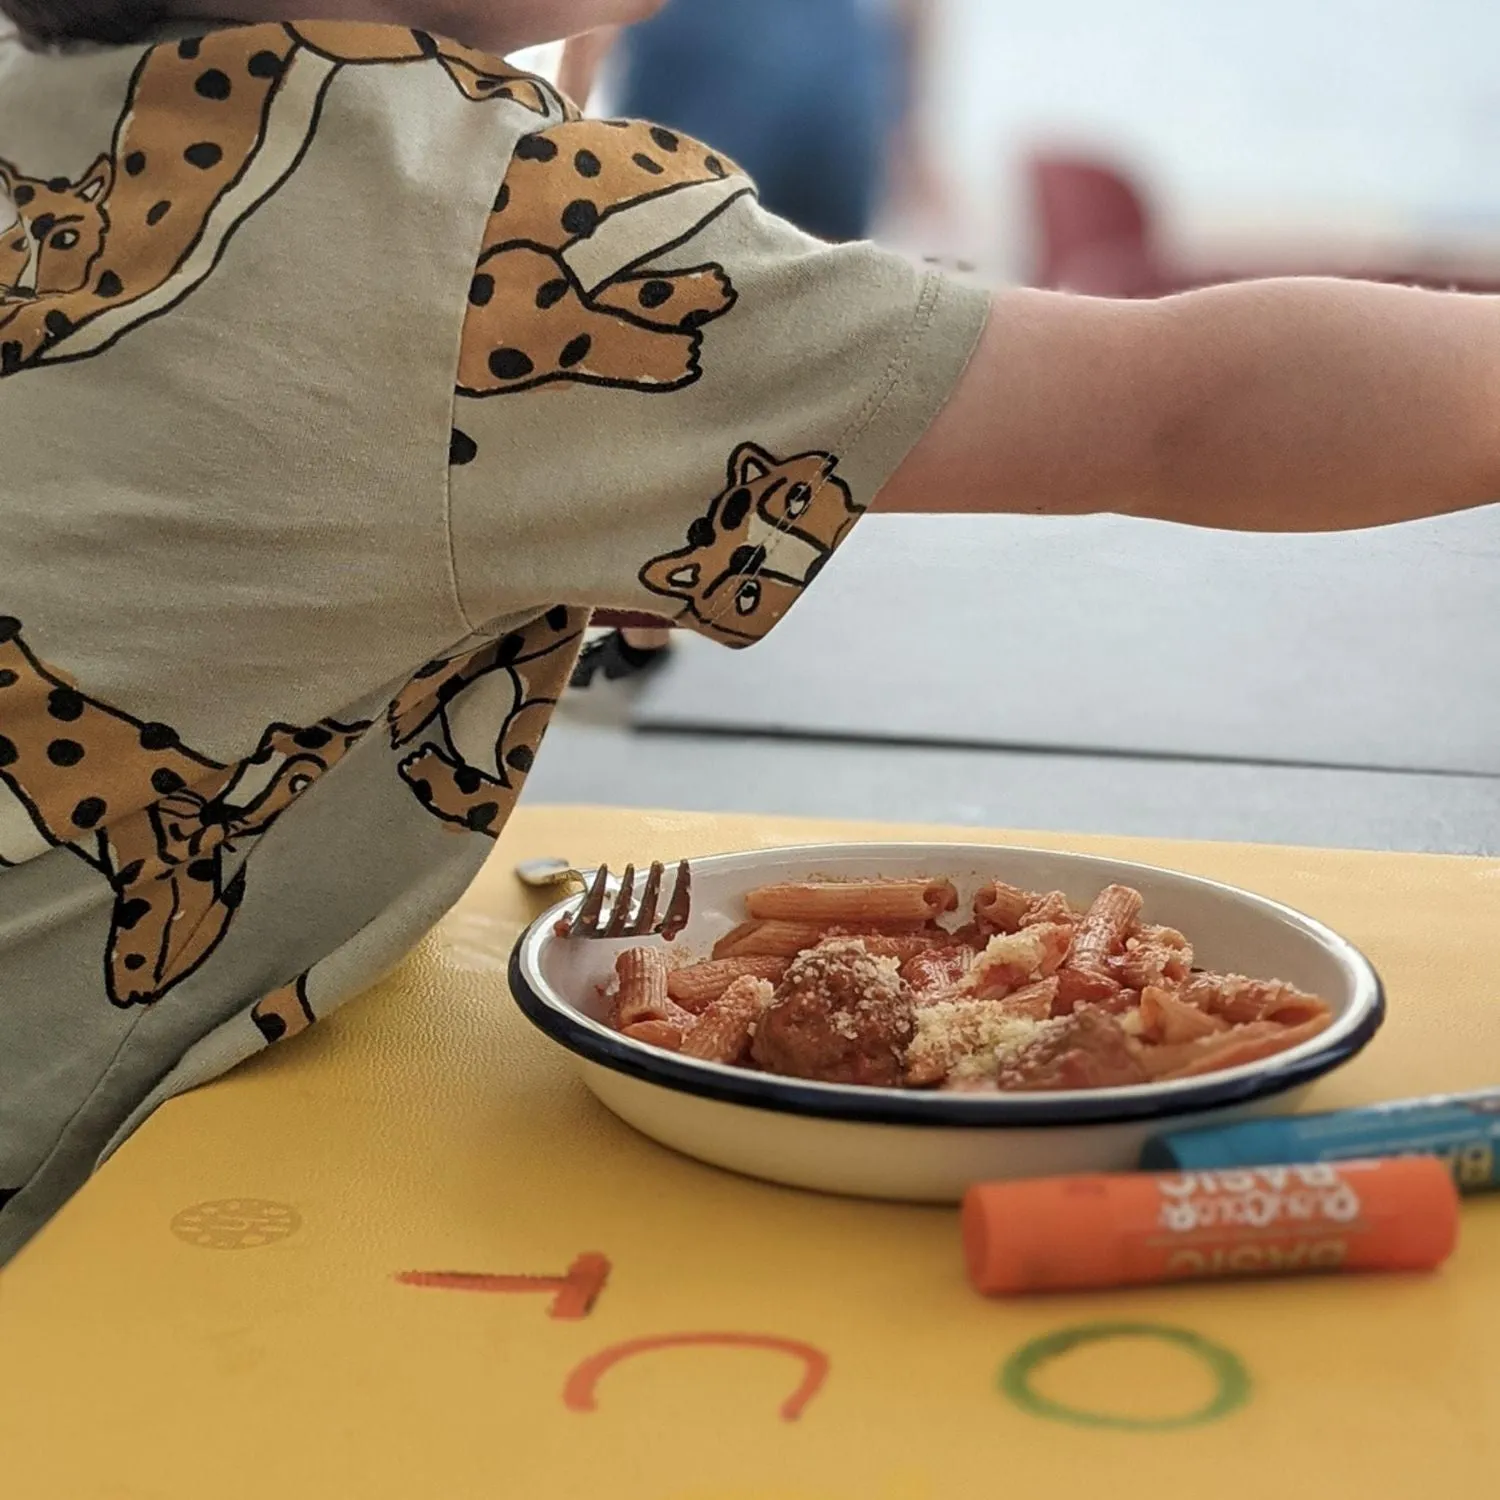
(763, 539)
(285, 1012)
(459, 767)
(156, 819)
(211, 128)
(565, 290)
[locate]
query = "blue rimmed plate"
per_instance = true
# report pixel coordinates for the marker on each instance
(928, 1147)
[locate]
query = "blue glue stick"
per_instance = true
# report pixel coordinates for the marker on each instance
(1461, 1129)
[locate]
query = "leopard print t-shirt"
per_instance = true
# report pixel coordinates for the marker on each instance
(343, 370)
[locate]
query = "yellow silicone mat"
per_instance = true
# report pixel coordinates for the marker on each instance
(407, 1257)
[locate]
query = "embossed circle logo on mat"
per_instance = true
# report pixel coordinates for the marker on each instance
(236, 1223)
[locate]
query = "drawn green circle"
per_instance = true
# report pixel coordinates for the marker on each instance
(1229, 1373)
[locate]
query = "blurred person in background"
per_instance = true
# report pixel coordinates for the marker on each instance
(818, 101)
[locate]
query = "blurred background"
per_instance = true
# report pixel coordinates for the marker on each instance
(1322, 690)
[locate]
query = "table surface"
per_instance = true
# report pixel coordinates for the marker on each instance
(224, 1310)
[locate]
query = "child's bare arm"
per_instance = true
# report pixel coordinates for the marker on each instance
(1306, 405)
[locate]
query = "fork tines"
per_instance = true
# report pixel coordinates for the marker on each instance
(599, 917)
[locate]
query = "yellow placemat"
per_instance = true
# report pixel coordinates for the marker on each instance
(222, 1312)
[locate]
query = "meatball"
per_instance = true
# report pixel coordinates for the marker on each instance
(840, 1016)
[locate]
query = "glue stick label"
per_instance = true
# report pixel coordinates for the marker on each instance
(1265, 1219)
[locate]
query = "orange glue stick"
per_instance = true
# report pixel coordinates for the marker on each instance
(1073, 1233)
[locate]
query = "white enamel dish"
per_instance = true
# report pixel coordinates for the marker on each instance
(928, 1147)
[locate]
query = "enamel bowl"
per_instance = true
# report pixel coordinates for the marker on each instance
(928, 1147)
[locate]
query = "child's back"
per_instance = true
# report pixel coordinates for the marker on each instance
(343, 372)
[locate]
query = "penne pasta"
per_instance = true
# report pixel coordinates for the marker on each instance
(642, 990)
(655, 1034)
(853, 902)
(1240, 1000)
(1102, 932)
(725, 1030)
(1053, 908)
(773, 939)
(1169, 1019)
(1001, 907)
(856, 982)
(1077, 987)
(1237, 1047)
(697, 986)
(1014, 960)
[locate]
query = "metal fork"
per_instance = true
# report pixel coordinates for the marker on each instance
(610, 910)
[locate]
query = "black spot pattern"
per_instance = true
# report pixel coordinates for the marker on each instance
(188, 47)
(580, 217)
(203, 155)
(481, 289)
(158, 737)
(135, 163)
(10, 356)
(313, 738)
(10, 628)
(502, 198)
(536, 148)
(128, 913)
(109, 285)
(66, 704)
(58, 323)
(22, 194)
(586, 164)
(65, 752)
(510, 364)
(8, 678)
(655, 293)
(166, 782)
(214, 84)
(135, 961)
(88, 812)
(467, 780)
(203, 869)
(648, 164)
(58, 184)
(157, 212)
(510, 648)
(264, 65)
(701, 533)
(557, 618)
(462, 449)
(575, 351)
(9, 755)
(715, 166)
(273, 1028)
(481, 818)
(550, 293)
(521, 759)
(664, 138)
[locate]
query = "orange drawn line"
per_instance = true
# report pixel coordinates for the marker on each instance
(579, 1392)
(575, 1293)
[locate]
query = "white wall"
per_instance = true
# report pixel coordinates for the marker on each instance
(1365, 116)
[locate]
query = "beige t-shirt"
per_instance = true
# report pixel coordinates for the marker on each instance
(342, 372)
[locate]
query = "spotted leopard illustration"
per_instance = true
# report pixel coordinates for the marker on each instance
(763, 539)
(462, 768)
(285, 1012)
(156, 819)
(565, 290)
(211, 128)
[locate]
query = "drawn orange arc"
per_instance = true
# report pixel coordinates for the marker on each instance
(578, 1393)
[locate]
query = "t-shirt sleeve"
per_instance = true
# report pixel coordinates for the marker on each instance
(670, 401)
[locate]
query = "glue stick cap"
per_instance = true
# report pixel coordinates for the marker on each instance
(1042, 1235)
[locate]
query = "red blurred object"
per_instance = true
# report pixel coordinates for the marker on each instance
(1096, 235)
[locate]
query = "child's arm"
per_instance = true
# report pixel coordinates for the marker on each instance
(1310, 405)
(583, 56)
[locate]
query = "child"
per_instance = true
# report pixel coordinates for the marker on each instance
(343, 371)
